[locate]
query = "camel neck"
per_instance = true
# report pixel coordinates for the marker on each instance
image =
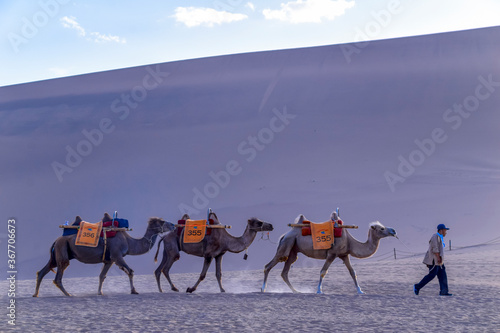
(142, 245)
(239, 244)
(366, 249)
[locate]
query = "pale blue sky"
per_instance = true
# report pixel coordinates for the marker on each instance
(54, 38)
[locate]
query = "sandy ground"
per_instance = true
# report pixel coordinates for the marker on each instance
(388, 305)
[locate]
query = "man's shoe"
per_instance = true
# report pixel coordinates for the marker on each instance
(415, 290)
(447, 294)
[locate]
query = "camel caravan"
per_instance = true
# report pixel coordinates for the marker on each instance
(108, 242)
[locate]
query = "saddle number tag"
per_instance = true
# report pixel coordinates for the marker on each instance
(194, 231)
(88, 234)
(322, 235)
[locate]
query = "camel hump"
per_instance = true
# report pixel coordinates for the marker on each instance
(301, 218)
(78, 220)
(213, 216)
(334, 216)
(185, 217)
(107, 218)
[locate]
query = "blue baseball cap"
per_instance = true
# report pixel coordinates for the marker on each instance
(442, 226)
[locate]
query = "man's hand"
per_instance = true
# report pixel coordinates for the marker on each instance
(440, 260)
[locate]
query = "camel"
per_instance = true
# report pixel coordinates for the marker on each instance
(293, 242)
(213, 246)
(64, 249)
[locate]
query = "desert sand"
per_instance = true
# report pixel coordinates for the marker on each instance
(388, 304)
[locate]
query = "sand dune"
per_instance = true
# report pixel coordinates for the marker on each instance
(328, 133)
(387, 306)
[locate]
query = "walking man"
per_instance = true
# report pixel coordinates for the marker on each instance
(434, 261)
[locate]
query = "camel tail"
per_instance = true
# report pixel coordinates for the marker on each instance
(52, 257)
(281, 239)
(158, 250)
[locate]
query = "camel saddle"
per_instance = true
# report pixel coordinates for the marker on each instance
(179, 230)
(337, 232)
(118, 223)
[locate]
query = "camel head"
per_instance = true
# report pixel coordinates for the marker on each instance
(159, 225)
(378, 230)
(258, 225)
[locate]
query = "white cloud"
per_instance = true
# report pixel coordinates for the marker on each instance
(100, 38)
(71, 23)
(308, 11)
(250, 5)
(195, 16)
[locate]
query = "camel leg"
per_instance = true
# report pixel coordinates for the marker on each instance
(281, 255)
(102, 276)
(47, 268)
(61, 266)
(164, 267)
(40, 274)
(267, 269)
(347, 263)
(324, 270)
(206, 265)
(124, 267)
(218, 271)
(288, 264)
(167, 262)
(166, 271)
(159, 270)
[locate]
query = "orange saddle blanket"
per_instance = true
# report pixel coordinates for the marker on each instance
(88, 234)
(207, 232)
(194, 231)
(322, 235)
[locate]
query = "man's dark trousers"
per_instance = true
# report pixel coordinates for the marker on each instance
(434, 270)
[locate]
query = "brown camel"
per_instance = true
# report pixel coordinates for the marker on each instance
(213, 246)
(64, 249)
(293, 242)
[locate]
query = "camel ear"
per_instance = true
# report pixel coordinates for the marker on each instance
(373, 227)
